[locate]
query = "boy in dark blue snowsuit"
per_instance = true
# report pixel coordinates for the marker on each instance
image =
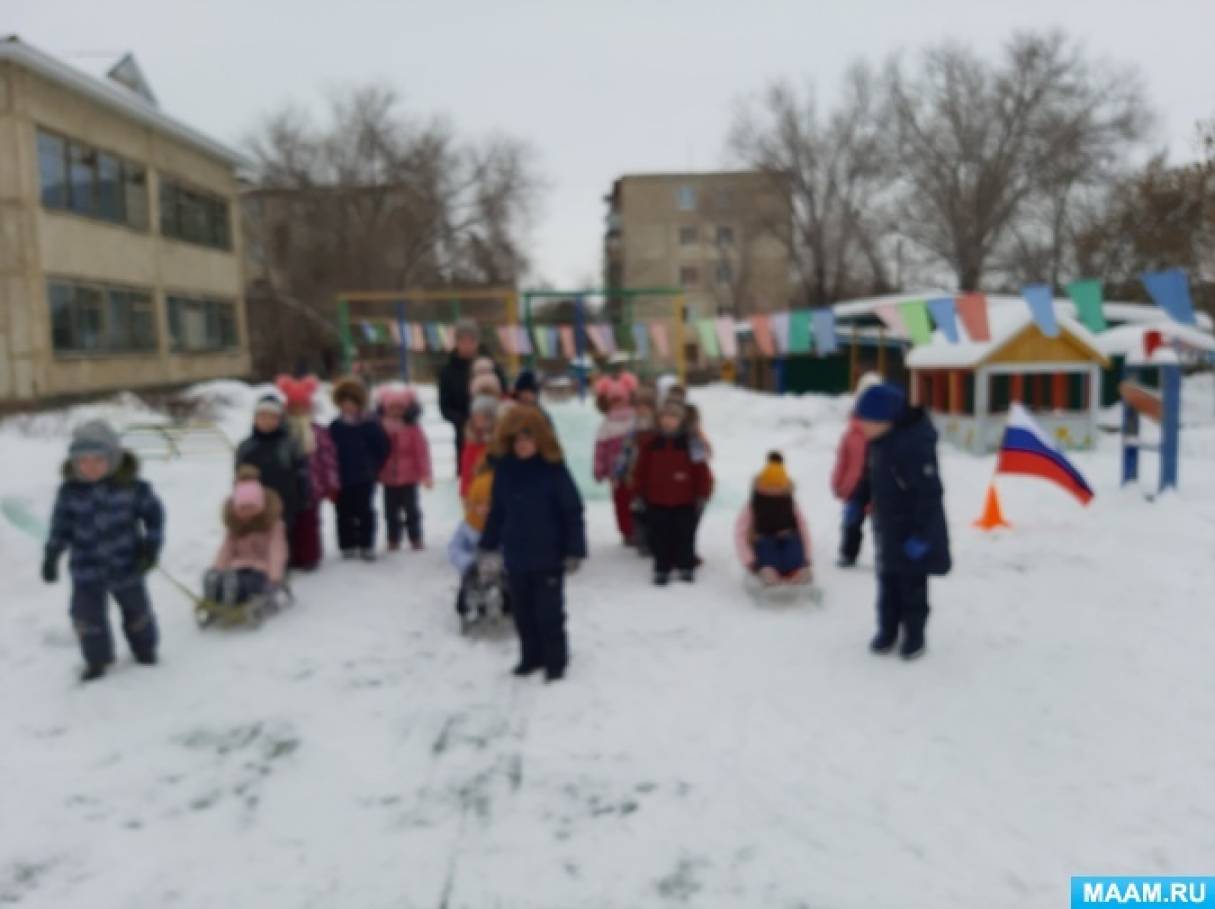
(113, 525)
(362, 448)
(903, 483)
(535, 517)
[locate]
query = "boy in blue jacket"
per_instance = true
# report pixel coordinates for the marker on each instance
(535, 516)
(113, 525)
(903, 483)
(362, 448)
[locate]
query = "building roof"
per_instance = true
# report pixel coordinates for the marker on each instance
(1126, 340)
(1004, 324)
(123, 90)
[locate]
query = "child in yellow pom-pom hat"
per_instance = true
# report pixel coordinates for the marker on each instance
(770, 533)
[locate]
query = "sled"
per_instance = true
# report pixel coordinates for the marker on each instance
(249, 614)
(486, 610)
(782, 593)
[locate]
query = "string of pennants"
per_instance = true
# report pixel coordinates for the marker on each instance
(798, 330)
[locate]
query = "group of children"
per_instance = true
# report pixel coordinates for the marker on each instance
(523, 528)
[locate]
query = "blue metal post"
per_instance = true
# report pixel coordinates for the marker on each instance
(1170, 425)
(1130, 429)
(580, 345)
(403, 333)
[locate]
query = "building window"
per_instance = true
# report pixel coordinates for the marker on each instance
(689, 236)
(93, 318)
(725, 199)
(725, 235)
(685, 197)
(193, 216)
(200, 324)
(689, 276)
(76, 177)
(725, 273)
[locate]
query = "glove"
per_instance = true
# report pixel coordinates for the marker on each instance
(489, 566)
(50, 568)
(149, 555)
(572, 564)
(915, 548)
(853, 513)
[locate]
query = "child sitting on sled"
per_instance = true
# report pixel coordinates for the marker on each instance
(479, 596)
(252, 560)
(770, 534)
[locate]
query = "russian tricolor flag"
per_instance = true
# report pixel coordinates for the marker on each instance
(1027, 450)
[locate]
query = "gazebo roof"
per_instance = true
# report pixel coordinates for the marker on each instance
(1005, 324)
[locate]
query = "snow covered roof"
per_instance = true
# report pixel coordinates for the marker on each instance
(1128, 339)
(123, 89)
(1004, 323)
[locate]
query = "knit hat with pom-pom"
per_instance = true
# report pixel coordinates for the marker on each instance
(773, 479)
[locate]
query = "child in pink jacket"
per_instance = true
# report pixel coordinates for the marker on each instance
(252, 560)
(846, 476)
(614, 432)
(408, 464)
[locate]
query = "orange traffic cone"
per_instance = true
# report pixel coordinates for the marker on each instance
(992, 516)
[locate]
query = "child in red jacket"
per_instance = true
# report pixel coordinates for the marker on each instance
(674, 487)
(846, 477)
(408, 464)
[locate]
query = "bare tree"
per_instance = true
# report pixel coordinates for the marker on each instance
(837, 167)
(979, 145)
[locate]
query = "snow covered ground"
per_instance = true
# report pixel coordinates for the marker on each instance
(704, 751)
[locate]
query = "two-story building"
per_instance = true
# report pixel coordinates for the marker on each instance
(120, 244)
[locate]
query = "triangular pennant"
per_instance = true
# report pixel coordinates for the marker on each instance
(972, 310)
(368, 331)
(417, 337)
(1086, 295)
(915, 316)
(608, 333)
(945, 314)
(506, 337)
(779, 322)
(1171, 291)
(658, 332)
(554, 341)
(641, 340)
(707, 330)
(523, 341)
(727, 337)
(799, 331)
(568, 347)
(594, 334)
(825, 340)
(541, 334)
(761, 330)
(892, 318)
(1041, 300)
(394, 331)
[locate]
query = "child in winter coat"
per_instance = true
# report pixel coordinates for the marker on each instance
(645, 422)
(252, 560)
(113, 525)
(304, 534)
(846, 477)
(674, 488)
(610, 441)
(535, 517)
(362, 449)
(770, 534)
(478, 596)
(902, 482)
(408, 464)
(281, 462)
(477, 436)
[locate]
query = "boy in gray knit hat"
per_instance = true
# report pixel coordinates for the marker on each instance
(113, 525)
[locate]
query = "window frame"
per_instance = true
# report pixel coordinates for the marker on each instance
(686, 197)
(99, 325)
(124, 213)
(187, 213)
(216, 313)
(689, 235)
(689, 276)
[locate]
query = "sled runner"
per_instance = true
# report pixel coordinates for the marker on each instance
(251, 613)
(782, 592)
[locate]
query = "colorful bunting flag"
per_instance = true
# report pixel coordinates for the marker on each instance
(915, 317)
(972, 310)
(417, 337)
(523, 341)
(727, 337)
(541, 333)
(779, 323)
(799, 331)
(394, 332)
(761, 330)
(1041, 300)
(447, 334)
(368, 331)
(641, 340)
(945, 314)
(568, 347)
(1171, 291)
(554, 340)
(893, 319)
(608, 333)
(1086, 294)
(594, 334)
(506, 337)
(434, 339)
(825, 340)
(707, 329)
(658, 331)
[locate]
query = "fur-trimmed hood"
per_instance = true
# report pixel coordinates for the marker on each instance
(262, 522)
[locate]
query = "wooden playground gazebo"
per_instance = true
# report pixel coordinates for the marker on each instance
(969, 385)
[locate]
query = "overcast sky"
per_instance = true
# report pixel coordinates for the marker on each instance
(599, 88)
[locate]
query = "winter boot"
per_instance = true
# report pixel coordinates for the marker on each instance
(883, 641)
(554, 675)
(394, 546)
(416, 545)
(146, 659)
(349, 554)
(92, 671)
(687, 575)
(526, 669)
(845, 562)
(661, 579)
(913, 646)
(367, 555)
